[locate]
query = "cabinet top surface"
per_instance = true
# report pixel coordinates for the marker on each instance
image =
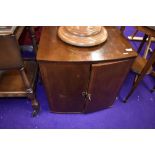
(51, 48)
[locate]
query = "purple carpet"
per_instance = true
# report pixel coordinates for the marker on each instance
(137, 113)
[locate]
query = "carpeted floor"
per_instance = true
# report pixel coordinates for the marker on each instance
(138, 112)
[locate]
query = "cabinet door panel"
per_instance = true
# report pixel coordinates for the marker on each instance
(105, 83)
(64, 84)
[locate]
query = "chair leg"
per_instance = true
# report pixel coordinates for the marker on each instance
(30, 93)
(141, 76)
(147, 48)
(142, 43)
(134, 86)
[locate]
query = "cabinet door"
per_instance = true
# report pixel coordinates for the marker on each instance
(64, 84)
(105, 83)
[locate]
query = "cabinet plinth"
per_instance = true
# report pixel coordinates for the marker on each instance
(84, 79)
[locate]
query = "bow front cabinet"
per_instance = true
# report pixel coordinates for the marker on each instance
(83, 79)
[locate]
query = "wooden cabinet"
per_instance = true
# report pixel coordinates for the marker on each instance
(83, 79)
(64, 84)
(74, 87)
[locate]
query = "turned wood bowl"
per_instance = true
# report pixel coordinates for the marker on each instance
(83, 36)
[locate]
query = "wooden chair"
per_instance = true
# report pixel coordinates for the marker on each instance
(141, 67)
(149, 36)
(18, 77)
(149, 33)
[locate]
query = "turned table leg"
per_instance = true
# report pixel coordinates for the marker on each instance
(30, 93)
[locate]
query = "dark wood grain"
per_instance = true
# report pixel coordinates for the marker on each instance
(148, 31)
(71, 74)
(105, 83)
(64, 83)
(51, 48)
(11, 83)
(17, 79)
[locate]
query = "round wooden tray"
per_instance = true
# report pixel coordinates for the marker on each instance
(83, 36)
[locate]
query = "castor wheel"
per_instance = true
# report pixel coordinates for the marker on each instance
(35, 107)
(35, 111)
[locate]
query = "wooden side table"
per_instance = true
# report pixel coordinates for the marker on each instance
(83, 79)
(17, 78)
